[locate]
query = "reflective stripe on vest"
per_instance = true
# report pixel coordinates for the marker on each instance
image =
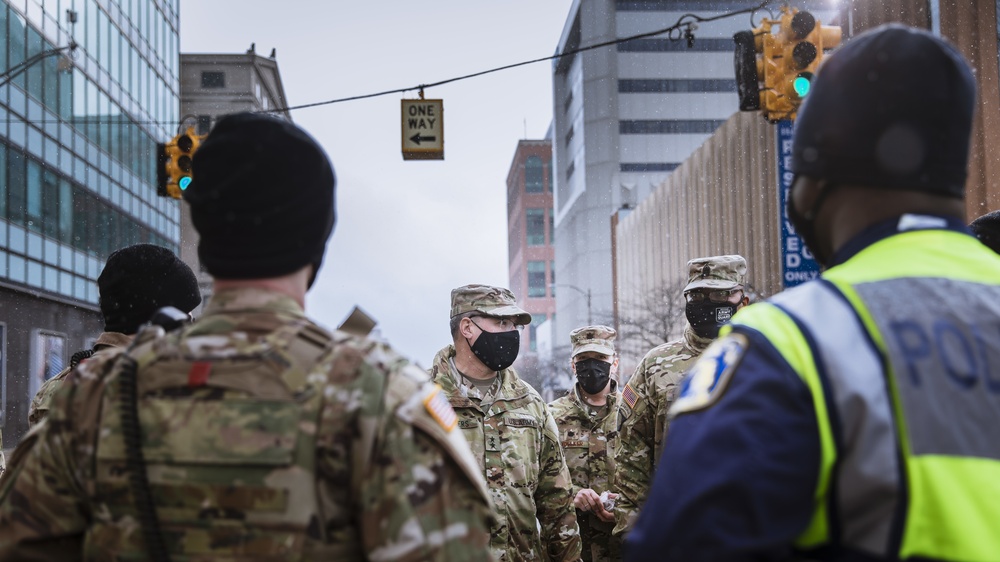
(861, 416)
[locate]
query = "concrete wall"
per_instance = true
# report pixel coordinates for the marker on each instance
(722, 200)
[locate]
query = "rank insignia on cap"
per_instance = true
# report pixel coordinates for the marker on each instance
(629, 396)
(708, 379)
(439, 409)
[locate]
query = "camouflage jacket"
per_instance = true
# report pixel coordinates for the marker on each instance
(587, 441)
(40, 403)
(514, 437)
(642, 420)
(264, 437)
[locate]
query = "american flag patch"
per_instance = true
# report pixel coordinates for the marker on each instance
(439, 409)
(630, 396)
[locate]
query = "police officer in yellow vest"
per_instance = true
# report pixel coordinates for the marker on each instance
(252, 434)
(854, 417)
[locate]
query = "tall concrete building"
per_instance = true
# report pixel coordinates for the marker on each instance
(627, 115)
(77, 172)
(213, 85)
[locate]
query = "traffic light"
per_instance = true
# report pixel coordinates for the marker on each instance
(822, 38)
(747, 77)
(759, 69)
(787, 53)
(173, 171)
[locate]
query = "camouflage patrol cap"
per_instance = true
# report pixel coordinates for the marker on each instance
(487, 300)
(716, 272)
(593, 338)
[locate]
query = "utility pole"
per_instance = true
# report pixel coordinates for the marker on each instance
(590, 316)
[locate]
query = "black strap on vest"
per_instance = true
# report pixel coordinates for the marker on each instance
(80, 356)
(168, 319)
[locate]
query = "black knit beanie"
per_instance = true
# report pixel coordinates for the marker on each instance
(262, 198)
(892, 108)
(987, 230)
(139, 280)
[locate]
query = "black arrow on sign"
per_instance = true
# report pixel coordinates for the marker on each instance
(417, 138)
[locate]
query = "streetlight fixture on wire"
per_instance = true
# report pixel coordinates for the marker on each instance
(590, 316)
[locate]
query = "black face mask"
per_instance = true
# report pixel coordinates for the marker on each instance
(707, 317)
(497, 350)
(593, 375)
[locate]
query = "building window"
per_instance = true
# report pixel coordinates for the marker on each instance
(536, 279)
(536, 227)
(549, 175)
(3, 363)
(536, 320)
(534, 176)
(47, 359)
(665, 86)
(3, 180)
(204, 124)
(213, 79)
(552, 227)
(666, 126)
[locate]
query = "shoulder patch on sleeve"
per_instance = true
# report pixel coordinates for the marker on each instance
(708, 379)
(629, 396)
(440, 409)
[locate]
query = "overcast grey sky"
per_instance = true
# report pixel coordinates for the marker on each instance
(407, 232)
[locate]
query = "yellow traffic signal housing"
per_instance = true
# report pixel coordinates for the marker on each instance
(174, 161)
(791, 50)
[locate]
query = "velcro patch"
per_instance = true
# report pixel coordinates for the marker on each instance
(708, 379)
(198, 374)
(438, 407)
(629, 396)
(520, 422)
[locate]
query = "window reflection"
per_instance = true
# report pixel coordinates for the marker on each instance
(53, 197)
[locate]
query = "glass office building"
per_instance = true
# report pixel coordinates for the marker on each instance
(77, 171)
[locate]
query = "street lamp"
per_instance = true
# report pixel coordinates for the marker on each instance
(590, 317)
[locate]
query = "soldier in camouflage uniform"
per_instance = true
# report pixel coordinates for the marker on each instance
(713, 294)
(136, 282)
(587, 417)
(510, 430)
(252, 434)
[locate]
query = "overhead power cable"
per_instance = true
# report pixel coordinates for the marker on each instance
(683, 28)
(685, 22)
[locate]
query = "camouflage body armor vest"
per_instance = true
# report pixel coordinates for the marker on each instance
(229, 441)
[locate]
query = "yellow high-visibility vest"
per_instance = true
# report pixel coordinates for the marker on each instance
(900, 348)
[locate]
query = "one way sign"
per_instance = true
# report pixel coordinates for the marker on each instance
(423, 129)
